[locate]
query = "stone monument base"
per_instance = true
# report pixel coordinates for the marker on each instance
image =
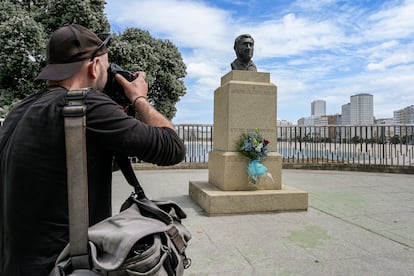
(244, 103)
(228, 171)
(217, 202)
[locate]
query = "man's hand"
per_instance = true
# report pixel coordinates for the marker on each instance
(136, 88)
(137, 91)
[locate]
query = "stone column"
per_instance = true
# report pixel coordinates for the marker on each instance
(244, 102)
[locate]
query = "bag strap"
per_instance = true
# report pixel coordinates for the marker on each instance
(139, 196)
(126, 168)
(74, 113)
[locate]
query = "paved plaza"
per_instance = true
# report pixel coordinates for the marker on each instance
(357, 223)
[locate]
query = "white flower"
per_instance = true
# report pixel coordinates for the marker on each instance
(259, 147)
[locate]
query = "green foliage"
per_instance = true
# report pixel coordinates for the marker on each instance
(355, 139)
(22, 41)
(136, 50)
(253, 145)
(395, 139)
(25, 26)
(88, 13)
(6, 102)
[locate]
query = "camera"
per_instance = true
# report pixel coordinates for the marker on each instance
(113, 89)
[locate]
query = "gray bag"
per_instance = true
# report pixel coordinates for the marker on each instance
(137, 241)
(145, 238)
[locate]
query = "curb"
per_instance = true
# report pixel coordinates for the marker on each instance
(297, 166)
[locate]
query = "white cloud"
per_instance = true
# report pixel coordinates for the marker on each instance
(392, 23)
(291, 35)
(319, 49)
(200, 70)
(188, 23)
(391, 54)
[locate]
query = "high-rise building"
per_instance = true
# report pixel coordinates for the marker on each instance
(346, 114)
(404, 116)
(318, 108)
(362, 109)
(315, 120)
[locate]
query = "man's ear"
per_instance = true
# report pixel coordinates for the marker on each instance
(93, 69)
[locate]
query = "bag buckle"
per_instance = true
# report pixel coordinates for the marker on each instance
(186, 262)
(75, 103)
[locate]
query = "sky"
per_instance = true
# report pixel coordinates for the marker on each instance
(314, 50)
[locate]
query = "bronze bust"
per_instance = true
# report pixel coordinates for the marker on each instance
(243, 46)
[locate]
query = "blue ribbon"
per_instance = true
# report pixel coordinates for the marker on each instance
(255, 169)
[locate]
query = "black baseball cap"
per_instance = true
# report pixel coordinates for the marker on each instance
(67, 50)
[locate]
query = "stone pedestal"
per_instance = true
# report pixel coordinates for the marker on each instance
(227, 170)
(244, 102)
(217, 202)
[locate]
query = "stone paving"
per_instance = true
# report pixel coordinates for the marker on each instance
(357, 223)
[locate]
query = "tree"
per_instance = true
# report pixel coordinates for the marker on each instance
(25, 26)
(395, 139)
(356, 139)
(88, 13)
(22, 41)
(137, 50)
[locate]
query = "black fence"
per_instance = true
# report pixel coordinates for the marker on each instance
(390, 145)
(198, 140)
(363, 144)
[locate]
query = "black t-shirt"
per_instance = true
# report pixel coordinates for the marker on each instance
(33, 187)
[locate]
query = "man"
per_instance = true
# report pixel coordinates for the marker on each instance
(33, 186)
(243, 46)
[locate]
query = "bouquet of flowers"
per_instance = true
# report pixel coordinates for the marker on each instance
(254, 147)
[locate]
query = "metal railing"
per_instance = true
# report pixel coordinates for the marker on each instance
(365, 145)
(390, 145)
(198, 140)
(357, 145)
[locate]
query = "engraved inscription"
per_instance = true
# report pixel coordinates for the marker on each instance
(248, 130)
(238, 159)
(253, 91)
